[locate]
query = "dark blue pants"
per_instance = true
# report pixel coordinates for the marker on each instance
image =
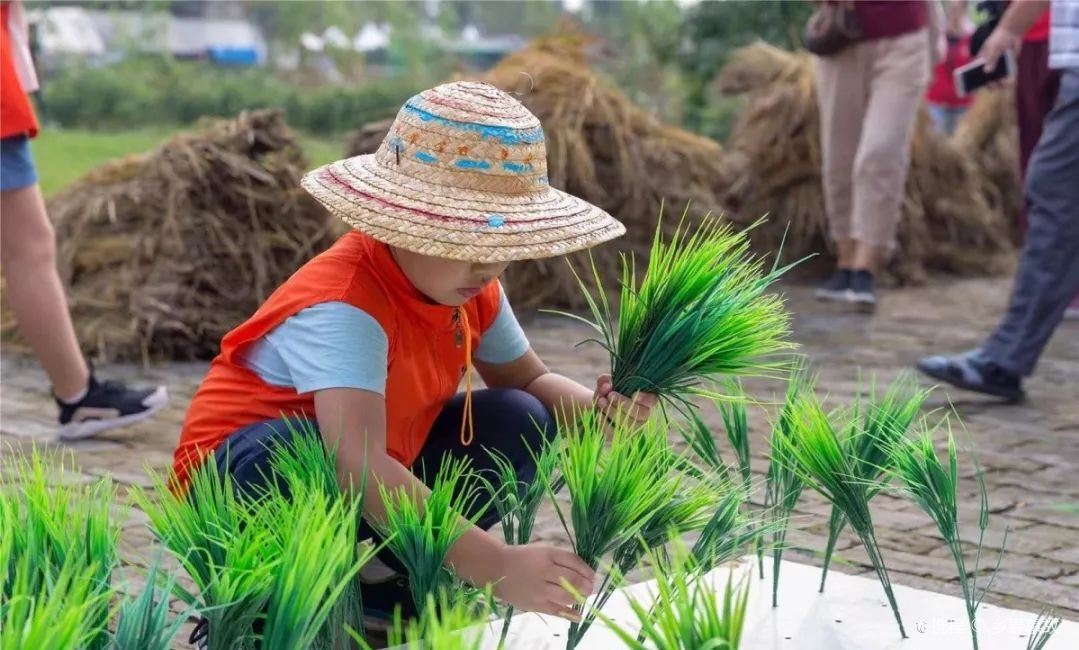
(510, 421)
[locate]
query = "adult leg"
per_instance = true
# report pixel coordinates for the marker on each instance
(842, 86)
(899, 73)
(1036, 88)
(1048, 274)
(34, 291)
(36, 297)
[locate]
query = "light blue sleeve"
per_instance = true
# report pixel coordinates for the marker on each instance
(329, 345)
(504, 341)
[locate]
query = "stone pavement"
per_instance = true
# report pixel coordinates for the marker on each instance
(1029, 452)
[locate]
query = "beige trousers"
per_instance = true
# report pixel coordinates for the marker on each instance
(868, 96)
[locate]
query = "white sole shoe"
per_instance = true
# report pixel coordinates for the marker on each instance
(154, 402)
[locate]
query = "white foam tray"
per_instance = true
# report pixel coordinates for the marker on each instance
(852, 614)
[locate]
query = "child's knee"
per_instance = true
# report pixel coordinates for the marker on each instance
(529, 416)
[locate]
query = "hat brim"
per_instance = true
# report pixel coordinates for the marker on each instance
(443, 220)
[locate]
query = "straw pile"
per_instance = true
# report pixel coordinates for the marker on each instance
(163, 253)
(954, 219)
(603, 148)
(988, 135)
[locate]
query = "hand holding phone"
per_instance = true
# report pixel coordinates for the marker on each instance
(975, 75)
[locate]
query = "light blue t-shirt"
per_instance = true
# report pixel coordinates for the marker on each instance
(337, 345)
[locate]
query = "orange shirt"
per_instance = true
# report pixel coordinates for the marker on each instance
(426, 358)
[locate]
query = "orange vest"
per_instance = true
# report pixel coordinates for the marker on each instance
(16, 112)
(427, 351)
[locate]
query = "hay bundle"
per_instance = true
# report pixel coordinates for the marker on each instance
(603, 148)
(163, 253)
(953, 220)
(988, 135)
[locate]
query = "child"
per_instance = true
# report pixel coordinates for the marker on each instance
(372, 337)
(942, 99)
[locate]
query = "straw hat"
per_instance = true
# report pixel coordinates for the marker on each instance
(462, 174)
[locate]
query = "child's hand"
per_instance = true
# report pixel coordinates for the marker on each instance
(613, 404)
(532, 579)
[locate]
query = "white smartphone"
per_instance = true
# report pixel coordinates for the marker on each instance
(972, 76)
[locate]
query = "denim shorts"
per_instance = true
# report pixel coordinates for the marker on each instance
(16, 164)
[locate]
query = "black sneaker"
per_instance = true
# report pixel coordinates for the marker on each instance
(107, 405)
(200, 636)
(835, 288)
(974, 371)
(861, 293)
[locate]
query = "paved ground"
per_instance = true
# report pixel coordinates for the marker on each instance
(1030, 452)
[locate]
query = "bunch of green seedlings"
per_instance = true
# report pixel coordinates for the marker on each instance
(933, 485)
(421, 533)
(517, 502)
(686, 612)
(58, 553)
(783, 483)
(630, 494)
(701, 310)
(875, 427)
(240, 550)
(446, 622)
(819, 456)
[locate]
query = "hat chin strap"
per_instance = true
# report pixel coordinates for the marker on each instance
(467, 423)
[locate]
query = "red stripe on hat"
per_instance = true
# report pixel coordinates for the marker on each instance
(329, 175)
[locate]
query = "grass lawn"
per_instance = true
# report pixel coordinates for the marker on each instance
(63, 155)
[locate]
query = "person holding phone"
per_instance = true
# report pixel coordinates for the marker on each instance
(1048, 275)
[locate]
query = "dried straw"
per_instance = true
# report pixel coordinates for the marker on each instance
(163, 253)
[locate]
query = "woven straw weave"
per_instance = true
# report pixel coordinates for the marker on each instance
(462, 175)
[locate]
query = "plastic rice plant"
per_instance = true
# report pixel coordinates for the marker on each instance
(727, 534)
(875, 426)
(932, 484)
(736, 423)
(303, 459)
(303, 463)
(421, 535)
(315, 541)
(614, 491)
(687, 613)
(62, 617)
(700, 311)
(1045, 626)
(231, 563)
(62, 525)
(687, 506)
(199, 526)
(517, 502)
(143, 620)
(783, 484)
(446, 622)
(815, 452)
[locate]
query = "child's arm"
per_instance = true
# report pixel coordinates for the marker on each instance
(562, 395)
(528, 576)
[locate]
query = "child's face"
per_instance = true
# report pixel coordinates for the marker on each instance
(447, 282)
